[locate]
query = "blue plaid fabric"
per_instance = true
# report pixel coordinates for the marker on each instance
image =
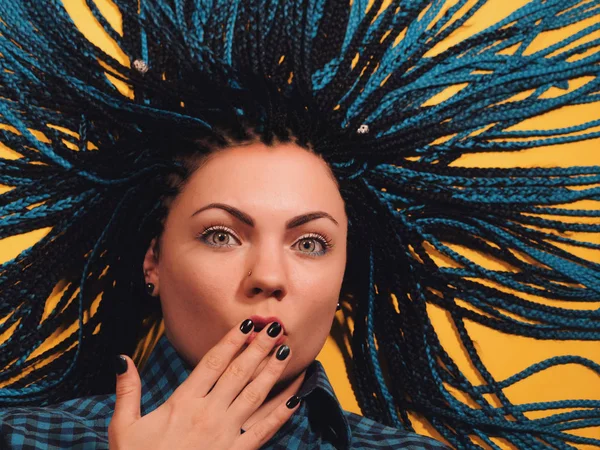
(319, 422)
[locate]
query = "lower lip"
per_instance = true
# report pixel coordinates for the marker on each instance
(279, 341)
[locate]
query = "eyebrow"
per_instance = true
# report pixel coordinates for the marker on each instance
(292, 223)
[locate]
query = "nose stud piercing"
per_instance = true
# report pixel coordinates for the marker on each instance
(249, 273)
(338, 307)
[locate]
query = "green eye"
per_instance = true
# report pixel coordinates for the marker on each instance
(314, 245)
(218, 236)
(308, 245)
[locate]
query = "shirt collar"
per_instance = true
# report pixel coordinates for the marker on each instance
(324, 406)
(166, 370)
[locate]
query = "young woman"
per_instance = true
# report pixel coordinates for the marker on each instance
(249, 270)
(236, 169)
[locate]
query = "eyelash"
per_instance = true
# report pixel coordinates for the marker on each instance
(324, 240)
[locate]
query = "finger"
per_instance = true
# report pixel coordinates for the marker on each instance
(129, 393)
(255, 393)
(239, 372)
(265, 429)
(215, 361)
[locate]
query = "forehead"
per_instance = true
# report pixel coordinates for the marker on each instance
(258, 178)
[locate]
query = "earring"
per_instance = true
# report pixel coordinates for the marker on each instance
(338, 307)
(150, 288)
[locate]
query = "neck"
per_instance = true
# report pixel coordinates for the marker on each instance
(280, 393)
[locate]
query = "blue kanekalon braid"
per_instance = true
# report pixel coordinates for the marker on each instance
(354, 83)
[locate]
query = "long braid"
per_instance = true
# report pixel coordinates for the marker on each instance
(100, 136)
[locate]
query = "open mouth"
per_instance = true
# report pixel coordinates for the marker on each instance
(280, 340)
(261, 322)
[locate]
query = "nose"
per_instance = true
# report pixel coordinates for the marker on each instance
(267, 274)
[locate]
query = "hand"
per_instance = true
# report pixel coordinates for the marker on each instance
(209, 408)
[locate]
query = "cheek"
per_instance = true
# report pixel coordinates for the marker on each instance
(196, 295)
(323, 286)
(314, 314)
(194, 281)
(321, 292)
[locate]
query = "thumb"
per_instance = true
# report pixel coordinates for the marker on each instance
(129, 393)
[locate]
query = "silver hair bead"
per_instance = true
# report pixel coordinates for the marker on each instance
(140, 65)
(363, 129)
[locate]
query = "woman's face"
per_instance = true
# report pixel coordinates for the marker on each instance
(273, 211)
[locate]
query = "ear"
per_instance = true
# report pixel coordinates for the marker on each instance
(150, 266)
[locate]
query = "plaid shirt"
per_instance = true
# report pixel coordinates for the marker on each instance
(319, 422)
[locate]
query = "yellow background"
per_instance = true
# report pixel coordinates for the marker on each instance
(504, 355)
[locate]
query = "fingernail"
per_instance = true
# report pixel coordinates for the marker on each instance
(292, 402)
(274, 329)
(120, 365)
(246, 326)
(283, 352)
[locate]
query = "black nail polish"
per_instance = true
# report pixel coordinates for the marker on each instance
(292, 402)
(120, 365)
(282, 352)
(274, 329)
(246, 326)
